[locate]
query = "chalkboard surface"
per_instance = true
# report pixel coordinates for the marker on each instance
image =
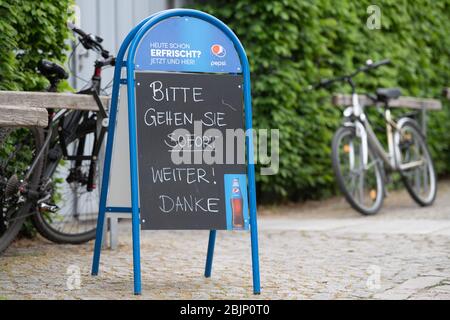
(187, 178)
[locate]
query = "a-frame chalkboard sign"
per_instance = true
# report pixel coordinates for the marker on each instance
(185, 70)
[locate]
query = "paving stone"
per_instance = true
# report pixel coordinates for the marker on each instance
(311, 251)
(409, 287)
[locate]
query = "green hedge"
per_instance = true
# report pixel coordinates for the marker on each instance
(30, 30)
(294, 43)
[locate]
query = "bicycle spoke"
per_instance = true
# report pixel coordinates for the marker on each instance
(78, 206)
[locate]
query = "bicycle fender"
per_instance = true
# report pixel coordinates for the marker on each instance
(402, 121)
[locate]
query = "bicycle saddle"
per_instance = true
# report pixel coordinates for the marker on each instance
(386, 94)
(52, 71)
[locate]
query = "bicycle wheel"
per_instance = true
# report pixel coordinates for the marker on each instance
(75, 218)
(363, 188)
(17, 151)
(415, 163)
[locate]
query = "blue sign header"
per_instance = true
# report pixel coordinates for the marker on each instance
(186, 44)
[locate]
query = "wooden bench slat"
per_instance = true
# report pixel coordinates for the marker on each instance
(20, 116)
(401, 102)
(56, 100)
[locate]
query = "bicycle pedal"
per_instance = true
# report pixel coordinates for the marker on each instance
(45, 207)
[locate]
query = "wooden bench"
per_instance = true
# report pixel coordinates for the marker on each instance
(25, 109)
(402, 102)
(28, 109)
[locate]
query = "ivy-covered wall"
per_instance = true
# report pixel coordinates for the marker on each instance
(30, 30)
(294, 43)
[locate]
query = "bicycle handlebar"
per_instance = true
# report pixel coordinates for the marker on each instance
(380, 63)
(89, 41)
(372, 65)
(324, 83)
(80, 32)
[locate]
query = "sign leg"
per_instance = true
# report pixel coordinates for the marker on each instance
(210, 253)
(252, 207)
(255, 257)
(136, 223)
(135, 218)
(136, 251)
(98, 241)
(254, 226)
(107, 165)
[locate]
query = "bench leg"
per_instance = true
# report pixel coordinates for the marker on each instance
(113, 232)
(105, 232)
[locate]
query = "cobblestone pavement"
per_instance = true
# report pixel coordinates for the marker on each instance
(318, 250)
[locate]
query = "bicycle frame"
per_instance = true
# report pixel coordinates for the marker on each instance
(369, 139)
(54, 121)
(57, 121)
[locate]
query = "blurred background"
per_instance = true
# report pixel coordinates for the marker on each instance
(291, 44)
(309, 249)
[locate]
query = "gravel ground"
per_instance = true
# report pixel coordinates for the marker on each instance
(316, 250)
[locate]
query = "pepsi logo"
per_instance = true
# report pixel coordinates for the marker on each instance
(218, 50)
(235, 190)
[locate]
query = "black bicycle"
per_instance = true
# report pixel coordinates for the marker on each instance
(50, 174)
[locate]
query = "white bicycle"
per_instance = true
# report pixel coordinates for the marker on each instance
(360, 160)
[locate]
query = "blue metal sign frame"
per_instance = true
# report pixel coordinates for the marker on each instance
(130, 45)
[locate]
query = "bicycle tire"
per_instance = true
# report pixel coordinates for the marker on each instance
(39, 221)
(342, 131)
(431, 171)
(11, 233)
